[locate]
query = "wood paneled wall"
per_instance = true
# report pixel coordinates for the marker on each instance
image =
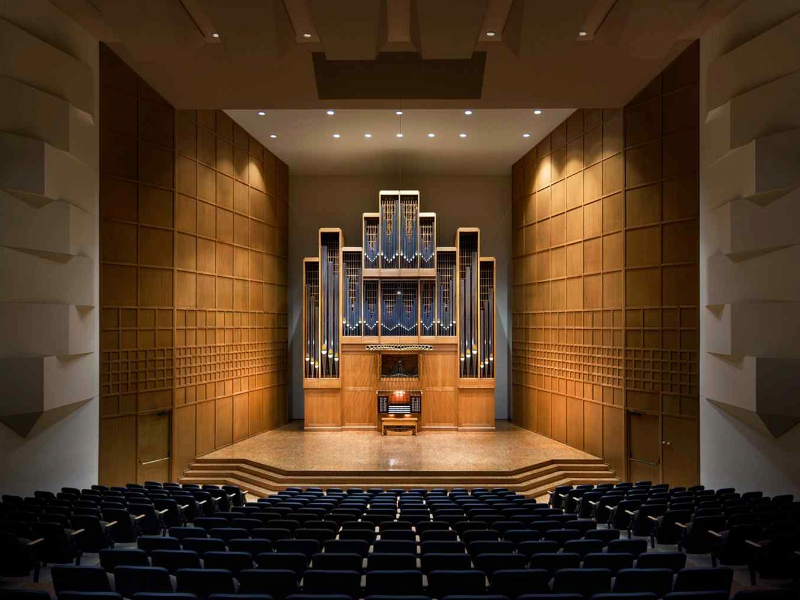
(193, 278)
(605, 274)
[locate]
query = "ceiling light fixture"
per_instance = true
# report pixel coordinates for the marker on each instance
(215, 35)
(273, 135)
(538, 111)
(306, 35)
(261, 113)
(330, 112)
(526, 135)
(490, 34)
(367, 135)
(431, 135)
(399, 135)
(336, 136)
(463, 135)
(398, 112)
(468, 112)
(583, 33)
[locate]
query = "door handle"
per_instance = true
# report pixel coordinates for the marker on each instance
(666, 443)
(150, 462)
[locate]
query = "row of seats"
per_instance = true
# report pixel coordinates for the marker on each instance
(480, 531)
(280, 583)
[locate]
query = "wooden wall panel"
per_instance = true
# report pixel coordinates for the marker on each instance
(605, 265)
(194, 301)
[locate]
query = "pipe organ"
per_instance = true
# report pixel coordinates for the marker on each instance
(399, 299)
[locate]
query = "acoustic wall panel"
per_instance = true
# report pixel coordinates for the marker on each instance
(751, 139)
(605, 284)
(193, 273)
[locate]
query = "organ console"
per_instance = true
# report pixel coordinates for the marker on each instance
(399, 319)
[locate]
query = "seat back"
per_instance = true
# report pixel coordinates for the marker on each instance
(393, 582)
(70, 578)
(173, 560)
(704, 580)
(513, 583)
(204, 582)
(657, 581)
(443, 583)
(586, 582)
(131, 580)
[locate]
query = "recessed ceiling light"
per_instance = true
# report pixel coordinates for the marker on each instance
(399, 135)
(490, 34)
(583, 33)
(431, 135)
(261, 113)
(336, 135)
(463, 135)
(398, 112)
(467, 112)
(215, 35)
(526, 135)
(538, 111)
(306, 35)
(330, 112)
(273, 135)
(367, 135)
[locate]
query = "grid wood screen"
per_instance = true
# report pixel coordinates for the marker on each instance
(605, 273)
(193, 278)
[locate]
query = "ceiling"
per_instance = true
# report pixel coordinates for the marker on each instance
(284, 54)
(305, 139)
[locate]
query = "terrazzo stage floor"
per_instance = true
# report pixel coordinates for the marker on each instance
(506, 449)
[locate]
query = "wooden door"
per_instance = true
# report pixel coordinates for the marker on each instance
(154, 444)
(644, 443)
(680, 451)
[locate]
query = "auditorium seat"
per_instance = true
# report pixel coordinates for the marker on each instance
(613, 561)
(131, 580)
(71, 578)
(516, 582)
(394, 582)
(586, 582)
(704, 580)
(204, 582)
(491, 562)
(281, 561)
(110, 558)
(391, 561)
(463, 582)
(657, 581)
(173, 560)
(346, 562)
(436, 561)
(675, 561)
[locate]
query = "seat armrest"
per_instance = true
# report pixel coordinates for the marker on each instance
(76, 532)
(681, 525)
(202, 502)
(138, 517)
(752, 543)
(183, 506)
(111, 524)
(593, 502)
(629, 512)
(36, 542)
(652, 518)
(163, 512)
(231, 495)
(714, 533)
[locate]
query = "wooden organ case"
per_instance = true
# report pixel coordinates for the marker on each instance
(399, 327)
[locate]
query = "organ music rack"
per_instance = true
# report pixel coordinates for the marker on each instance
(399, 290)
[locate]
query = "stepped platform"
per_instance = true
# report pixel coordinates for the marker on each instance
(509, 457)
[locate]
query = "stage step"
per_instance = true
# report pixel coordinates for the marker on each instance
(533, 481)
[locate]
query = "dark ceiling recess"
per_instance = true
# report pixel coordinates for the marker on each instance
(399, 75)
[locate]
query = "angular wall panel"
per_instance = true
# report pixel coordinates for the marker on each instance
(37, 172)
(751, 145)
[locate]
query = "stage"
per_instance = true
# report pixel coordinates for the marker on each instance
(509, 457)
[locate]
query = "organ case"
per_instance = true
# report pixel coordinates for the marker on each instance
(399, 291)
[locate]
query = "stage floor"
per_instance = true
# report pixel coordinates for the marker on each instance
(290, 448)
